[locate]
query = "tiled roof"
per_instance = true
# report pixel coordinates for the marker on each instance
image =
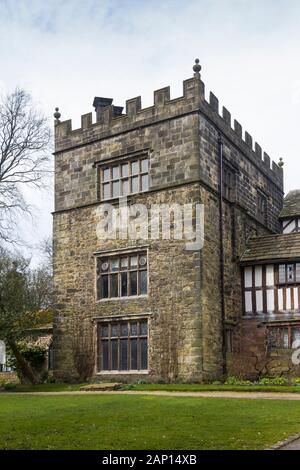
(281, 247)
(291, 205)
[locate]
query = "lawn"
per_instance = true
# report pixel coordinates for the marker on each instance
(64, 387)
(143, 422)
(215, 388)
(55, 387)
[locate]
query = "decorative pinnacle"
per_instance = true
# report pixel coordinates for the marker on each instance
(281, 163)
(57, 114)
(197, 67)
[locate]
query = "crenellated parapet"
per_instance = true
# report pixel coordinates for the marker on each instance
(243, 140)
(110, 121)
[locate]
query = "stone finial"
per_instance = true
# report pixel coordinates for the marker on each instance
(281, 163)
(197, 68)
(57, 114)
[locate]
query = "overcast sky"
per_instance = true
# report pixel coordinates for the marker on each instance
(64, 52)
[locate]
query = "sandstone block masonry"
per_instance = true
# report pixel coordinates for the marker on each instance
(183, 304)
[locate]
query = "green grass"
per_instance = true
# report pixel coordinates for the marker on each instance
(55, 387)
(63, 387)
(215, 388)
(143, 422)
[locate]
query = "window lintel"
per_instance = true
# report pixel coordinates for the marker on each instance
(121, 251)
(125, 156)
(121, 317)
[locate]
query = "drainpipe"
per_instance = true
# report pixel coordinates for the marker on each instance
(222, 283)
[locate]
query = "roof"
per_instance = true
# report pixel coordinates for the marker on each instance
(279, 247)
(291, 204)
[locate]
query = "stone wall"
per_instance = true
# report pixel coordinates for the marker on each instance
(172, 304)
(172, 148)
(249, 175)
(184, 299)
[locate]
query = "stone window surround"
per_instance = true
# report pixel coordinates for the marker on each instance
(122, 276)
(128, 317)
(119, 160)
(120, 252)
(138, 336)
(262, 201)
(235, 170)
(229, 183)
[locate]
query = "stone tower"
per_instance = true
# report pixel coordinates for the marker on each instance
(151, 308)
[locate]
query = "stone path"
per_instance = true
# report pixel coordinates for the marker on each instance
(295, 445)
(246, 395)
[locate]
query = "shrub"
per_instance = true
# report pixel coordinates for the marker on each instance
(264, 381)
(279, 381)
(273, 381)
(50, 378)
(179, 381)
(9, 386)
(162, 381)
(125, 387)
(295, 381)
(232, 380)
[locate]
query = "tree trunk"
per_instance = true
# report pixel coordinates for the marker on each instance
(22, 363)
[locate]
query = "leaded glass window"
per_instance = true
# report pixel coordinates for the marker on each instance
(122, 276)
(123, 345)
(124, 178)
(289, 273)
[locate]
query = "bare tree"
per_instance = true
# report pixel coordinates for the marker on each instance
(24, 156)
(46, 249)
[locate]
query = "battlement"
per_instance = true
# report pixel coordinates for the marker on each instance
(110, 121)
(242, 139)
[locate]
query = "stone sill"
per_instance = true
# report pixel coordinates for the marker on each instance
(123, 372)
(114, 299)
(118, 199)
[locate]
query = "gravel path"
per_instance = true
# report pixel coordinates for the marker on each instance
(247, 395)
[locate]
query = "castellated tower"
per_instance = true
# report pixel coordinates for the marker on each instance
(151, 309)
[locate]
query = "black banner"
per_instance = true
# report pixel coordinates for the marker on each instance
(135, 459)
